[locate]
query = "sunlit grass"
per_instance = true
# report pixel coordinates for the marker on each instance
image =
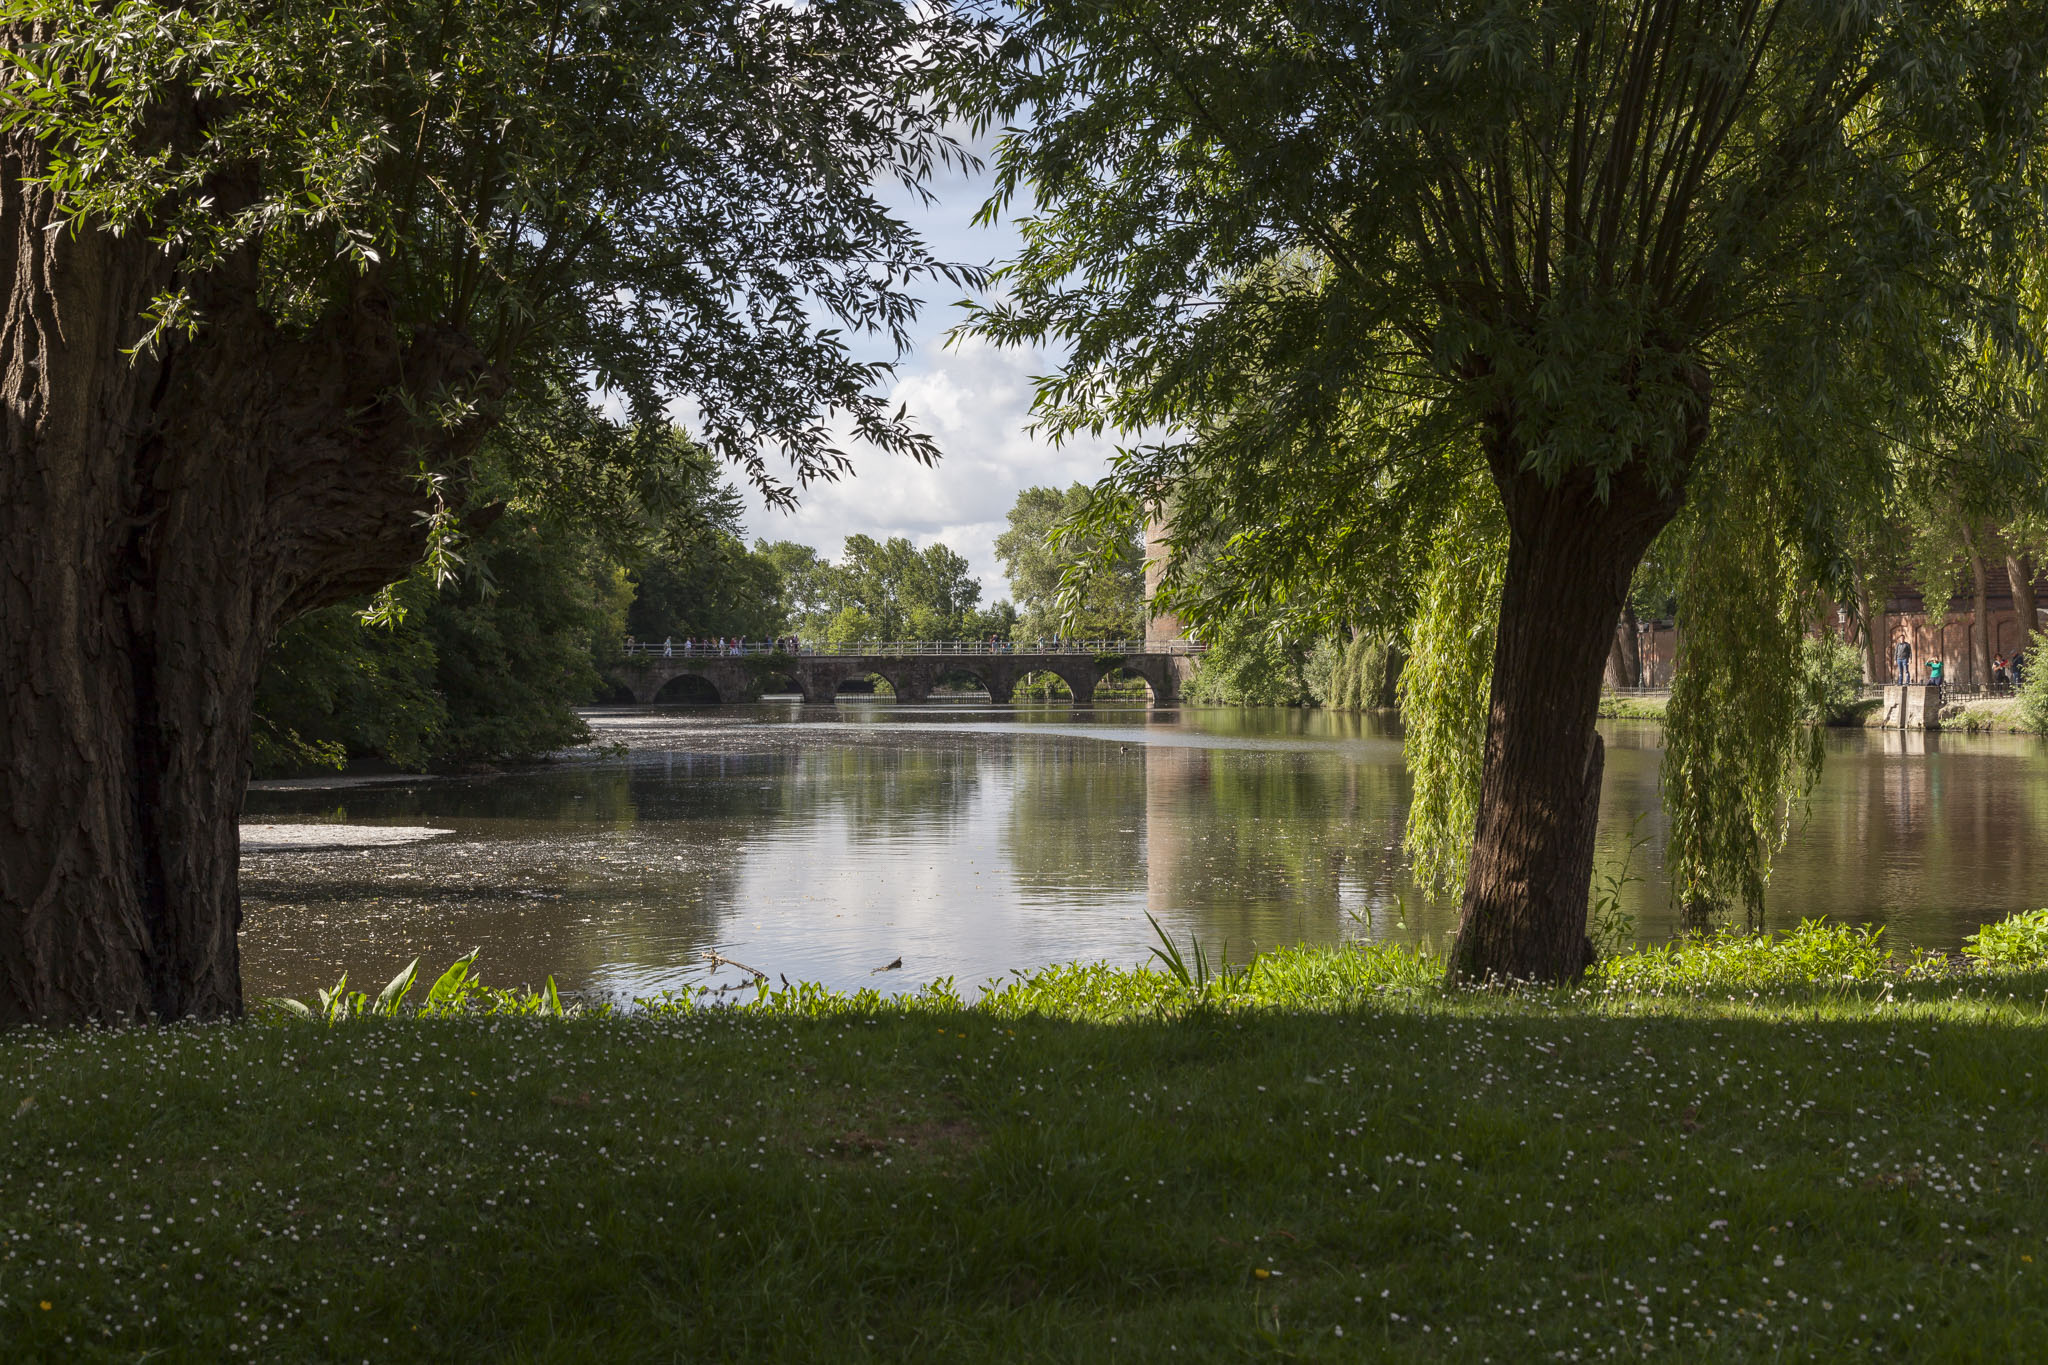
(1798, 1148)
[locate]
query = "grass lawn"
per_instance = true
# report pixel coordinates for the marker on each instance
(1616, 707)
(1742, 1152)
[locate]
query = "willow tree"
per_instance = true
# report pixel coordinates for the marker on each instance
(1538, 252)
(275, 269)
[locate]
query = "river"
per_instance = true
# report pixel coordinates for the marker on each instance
(967, 840)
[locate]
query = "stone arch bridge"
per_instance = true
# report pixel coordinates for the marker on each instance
(911, 668)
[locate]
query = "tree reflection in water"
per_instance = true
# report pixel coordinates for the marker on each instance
(824, 841)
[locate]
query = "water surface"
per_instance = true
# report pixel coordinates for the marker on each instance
(824, 842)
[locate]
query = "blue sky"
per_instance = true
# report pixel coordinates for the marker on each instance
(973, 399)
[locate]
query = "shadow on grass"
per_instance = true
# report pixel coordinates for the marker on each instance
(1812, 1171)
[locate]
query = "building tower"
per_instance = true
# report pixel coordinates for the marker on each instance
(1160, 627)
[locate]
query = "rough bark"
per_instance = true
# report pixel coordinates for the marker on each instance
(2019, 571)
(1625, 660)
(1571, 556)
(160, 514)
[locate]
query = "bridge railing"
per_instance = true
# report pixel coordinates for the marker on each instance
(855, 649)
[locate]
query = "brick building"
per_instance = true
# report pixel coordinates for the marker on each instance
(1904, 616)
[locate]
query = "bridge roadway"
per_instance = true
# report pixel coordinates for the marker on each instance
(911, 667)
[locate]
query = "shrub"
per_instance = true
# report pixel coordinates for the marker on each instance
(2018, 941)
(1834, 673)
(2033, 693)
(1816, 953)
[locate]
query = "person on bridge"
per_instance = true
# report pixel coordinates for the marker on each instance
(668, 648)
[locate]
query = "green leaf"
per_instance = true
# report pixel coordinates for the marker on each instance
(401, 985)
(453, 983)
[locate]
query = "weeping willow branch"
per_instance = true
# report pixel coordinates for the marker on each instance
(1742, 736)
(1443, 690)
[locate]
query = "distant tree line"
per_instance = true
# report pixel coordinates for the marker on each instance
(493, 664)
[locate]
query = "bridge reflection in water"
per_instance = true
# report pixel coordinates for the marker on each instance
(912, 668)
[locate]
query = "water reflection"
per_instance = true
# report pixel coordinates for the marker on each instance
(824, 842)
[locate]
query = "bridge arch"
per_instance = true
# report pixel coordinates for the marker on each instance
(688, 689)
(907, 682)
(1132, 673)
(1078, 675)
(782, 683)
(990, 680)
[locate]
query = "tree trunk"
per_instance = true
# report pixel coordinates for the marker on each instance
(1389, 693)
(1876, 633)
(1624, 661)
(1571, 556)
(1980, 617)
(159, 516)
(2019, 571)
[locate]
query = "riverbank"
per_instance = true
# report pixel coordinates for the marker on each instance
(1734, 1152)
(1999, 715)
(1647, 706)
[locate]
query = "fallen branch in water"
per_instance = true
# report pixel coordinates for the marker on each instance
(717, 960)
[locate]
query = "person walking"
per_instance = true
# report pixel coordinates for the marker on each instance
(1902, 659)
(668, 648)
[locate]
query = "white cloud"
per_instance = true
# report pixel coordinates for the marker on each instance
(975, 401)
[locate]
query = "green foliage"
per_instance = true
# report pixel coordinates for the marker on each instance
(1443, 691)
(1815, 954)
(1358, 673)
(884, 590)
(2016, 942)
(805, 579)
(1741, 735)
(2033, 689)
(861, 1176)
(331, 687)
(693, 577)
(486, 670)
(1611, 927)
(1068, 574)
(1834, 676)
(628, 194)
(457, 991)
(1246, 664)
(1299, 978)
(513, 654)
(713, 588)
(1335, 259)
(1196, 976)
(906, 593)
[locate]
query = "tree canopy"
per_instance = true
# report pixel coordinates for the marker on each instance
(281, 271)
(885, 590)
(1075, 583)
(1548, 273)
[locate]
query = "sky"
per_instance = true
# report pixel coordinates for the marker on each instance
(973, 399)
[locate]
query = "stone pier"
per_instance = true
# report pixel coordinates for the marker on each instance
(1912, 706)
